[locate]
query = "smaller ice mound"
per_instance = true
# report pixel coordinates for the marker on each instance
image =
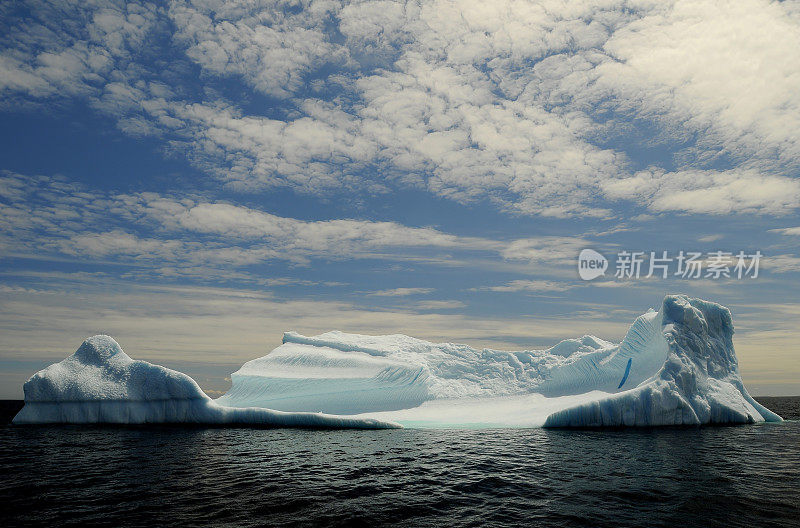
(99, 383)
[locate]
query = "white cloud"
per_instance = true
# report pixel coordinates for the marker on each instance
(787, 231)
(341, 237)
(546, 250)
(119, 242)
(71, 49)
(402, 292)
(708, 192)
(271, 44)
(439, 305)
(529, 286)
(710, 68)
(781, 263)
(470, 122)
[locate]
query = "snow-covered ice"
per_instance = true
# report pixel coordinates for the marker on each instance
(99, 383)
(674, 366)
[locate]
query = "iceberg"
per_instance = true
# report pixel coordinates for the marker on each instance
(99, 383)
(675, 366)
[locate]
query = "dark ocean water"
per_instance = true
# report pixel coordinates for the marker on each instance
(155, 476)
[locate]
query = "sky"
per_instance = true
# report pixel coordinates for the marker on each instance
(195, 178)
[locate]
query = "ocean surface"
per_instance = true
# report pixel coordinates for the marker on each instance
(154, 476)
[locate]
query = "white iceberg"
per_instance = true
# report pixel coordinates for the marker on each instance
(676, 366)
(99, 383)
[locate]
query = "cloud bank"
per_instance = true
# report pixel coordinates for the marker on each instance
(542, 109)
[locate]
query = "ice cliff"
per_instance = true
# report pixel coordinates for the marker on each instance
(675, 366)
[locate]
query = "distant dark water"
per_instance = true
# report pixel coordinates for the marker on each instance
(713, 476)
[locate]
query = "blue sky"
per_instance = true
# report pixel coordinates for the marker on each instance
(198, 177)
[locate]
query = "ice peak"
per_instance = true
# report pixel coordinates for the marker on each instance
(697, 315)
(98, 349)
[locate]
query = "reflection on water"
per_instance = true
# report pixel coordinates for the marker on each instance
(733, 476)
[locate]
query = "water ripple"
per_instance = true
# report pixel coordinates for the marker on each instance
(716, 476)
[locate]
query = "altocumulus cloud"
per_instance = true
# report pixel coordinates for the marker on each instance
(537, 108)
(45, 218)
